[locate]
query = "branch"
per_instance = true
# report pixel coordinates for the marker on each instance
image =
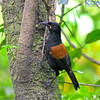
(95, 4)
(81, 84)
(62, 12)
(91, 59)
(68, 39)
(87, 57)
(0, 2)
(61, 20)
(68, 11)
(44, 41)
(71, 33)
(74, 8)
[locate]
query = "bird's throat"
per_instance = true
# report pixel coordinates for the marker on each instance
(55, 38)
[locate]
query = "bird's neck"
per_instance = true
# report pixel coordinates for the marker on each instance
(55, 38)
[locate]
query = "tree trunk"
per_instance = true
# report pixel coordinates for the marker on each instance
(30, 73)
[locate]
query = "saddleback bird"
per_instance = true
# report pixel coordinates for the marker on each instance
(56, 53)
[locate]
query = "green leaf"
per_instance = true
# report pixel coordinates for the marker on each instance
(61, 78)
(2, 93)
(2, 29)
(9, 46)
(73, 96)
(2, 43)
(77, 96)
(85, 93)
(3, 58)
(93, 36)
(98, 82)
(1, 25)
(76, 53)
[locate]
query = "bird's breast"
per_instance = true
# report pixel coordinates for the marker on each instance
(58, 51)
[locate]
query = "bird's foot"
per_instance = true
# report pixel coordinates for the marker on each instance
(47, 85)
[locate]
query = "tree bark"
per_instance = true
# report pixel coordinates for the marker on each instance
(30, 73)
(24, 57)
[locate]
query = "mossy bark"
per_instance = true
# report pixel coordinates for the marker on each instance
(30, 73)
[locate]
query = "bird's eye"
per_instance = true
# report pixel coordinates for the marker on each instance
(50, 27)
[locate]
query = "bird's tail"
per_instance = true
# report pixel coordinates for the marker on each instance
(74, 80)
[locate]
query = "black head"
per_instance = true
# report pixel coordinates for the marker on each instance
(52, 26)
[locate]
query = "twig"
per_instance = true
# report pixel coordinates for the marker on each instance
(89, 58)
(95, 4)
(73, 8)
(44, 40)
(61, 20)
(71, 33)
(68, 39)
(55, 4)
(62, 12)
(68, 11)
(81, 84)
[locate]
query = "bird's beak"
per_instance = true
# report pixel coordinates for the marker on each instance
(45, 23)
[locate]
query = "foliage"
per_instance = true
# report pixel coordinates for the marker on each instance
(6, 88)
(85, 71)
(5, 79)
(93, 36)
(85, 41)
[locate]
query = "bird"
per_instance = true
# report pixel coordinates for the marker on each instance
(57, 54)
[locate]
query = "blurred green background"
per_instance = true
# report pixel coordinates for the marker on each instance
(81, 21)
(6, 88)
